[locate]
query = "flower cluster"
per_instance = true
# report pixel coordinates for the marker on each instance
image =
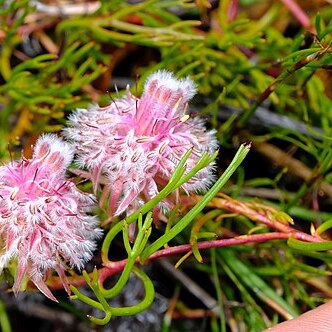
(44, 219)
(133, 145)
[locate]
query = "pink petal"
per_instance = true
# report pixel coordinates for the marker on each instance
(125, 201)
(63, 279)
(21, 270)
(40, 284)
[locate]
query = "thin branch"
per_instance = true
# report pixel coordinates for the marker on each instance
(115, 267)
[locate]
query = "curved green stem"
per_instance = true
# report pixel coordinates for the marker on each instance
(145, 303)
(133, 253)
(309, 246)
(120, 284)
(103, 304)
(112, 233)
(84, 298)
(185, 221)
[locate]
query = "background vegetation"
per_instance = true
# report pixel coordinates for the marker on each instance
(263, 71)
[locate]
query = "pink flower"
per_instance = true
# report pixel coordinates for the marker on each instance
(133, 145)
(44, 220)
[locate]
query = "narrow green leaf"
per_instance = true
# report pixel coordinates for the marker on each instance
(324, 227)
(254, 282)
(309, 246)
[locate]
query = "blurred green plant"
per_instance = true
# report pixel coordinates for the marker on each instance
(4, 320)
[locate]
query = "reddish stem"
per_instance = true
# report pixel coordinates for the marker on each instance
(112, 268)
(242, 209)
(284, 231)
(243, 239)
